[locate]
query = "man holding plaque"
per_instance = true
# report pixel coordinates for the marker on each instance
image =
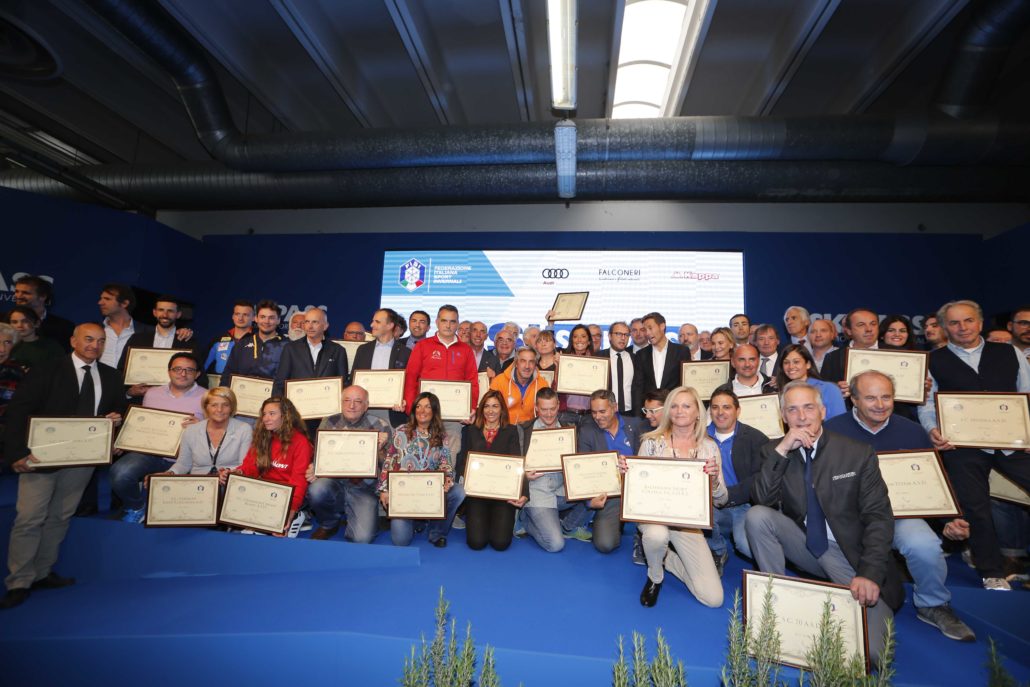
(970, 364)
(166, 313)
(872, 421)
(74, 385)
(821, 503)
(519, 384)
(329, 498)
(384, 353)
(258, 354)
(312, 356)
(609, 431)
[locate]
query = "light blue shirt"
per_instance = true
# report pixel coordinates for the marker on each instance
(381, 355)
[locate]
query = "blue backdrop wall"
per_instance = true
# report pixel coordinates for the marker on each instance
(83, 246)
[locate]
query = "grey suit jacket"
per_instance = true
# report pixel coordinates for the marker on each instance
(195, 457)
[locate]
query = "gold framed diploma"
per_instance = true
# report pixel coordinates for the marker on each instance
(547, 376)
(416, 495)
(182, 501)
(250, 392)
(569, 306)
(1005, 489)
(763, 413)
(547, 446)
(494, 476)
(581, 375)
(705, 376)
(316, 397)
(984, 419)
(918, 485)
(59, 442)
(798, 607)
(455, 397)
(148, 430)
(906, 368)
(352, 349)
(148, 365)
(667, 491)
(385, 387)
(256, 504)
(587, 475)
(346, 453)
(484, 386)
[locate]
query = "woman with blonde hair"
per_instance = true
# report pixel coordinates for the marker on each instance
(219, 442)
(722, 344)
(682, 434)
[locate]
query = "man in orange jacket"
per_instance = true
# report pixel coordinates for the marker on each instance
(519, 384)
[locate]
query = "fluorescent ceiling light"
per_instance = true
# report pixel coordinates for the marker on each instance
(561, 43)
(659, 39)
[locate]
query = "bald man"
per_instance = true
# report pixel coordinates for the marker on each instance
(73, 385)
(354, 331)
(312, 356)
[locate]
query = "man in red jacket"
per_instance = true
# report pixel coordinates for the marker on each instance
(443, 356)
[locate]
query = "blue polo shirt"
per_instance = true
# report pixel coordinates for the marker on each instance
(726, 451)
(619, 442)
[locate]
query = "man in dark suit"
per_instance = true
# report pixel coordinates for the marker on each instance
(862, 327)
(608, 431)
(623, 367)
(668, 355)
(73, 385)
(741, 448)
(821, 503)
(312, 356)
(37, 293)
(689, 338)
(385, 353)
(164, 335)
(486, 361)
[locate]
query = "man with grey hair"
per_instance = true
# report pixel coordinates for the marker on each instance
(690, 338)
(529, 336)
(970, 364)
(796, 321)
(504, 346)
(312, 356)
(596, 336)
(821, 503)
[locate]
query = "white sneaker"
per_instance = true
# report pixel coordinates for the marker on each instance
(295, 527)
(997, 584)
(308, 522)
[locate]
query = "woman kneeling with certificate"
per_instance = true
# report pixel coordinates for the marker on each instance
(490, 520)
(682, 435)
(421, 445)
(279, 452)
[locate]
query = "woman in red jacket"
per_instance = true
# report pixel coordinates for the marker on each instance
(280, 452)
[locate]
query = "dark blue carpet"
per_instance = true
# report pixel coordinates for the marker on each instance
(192, 607)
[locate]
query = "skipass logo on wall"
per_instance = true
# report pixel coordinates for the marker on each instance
(413, 275)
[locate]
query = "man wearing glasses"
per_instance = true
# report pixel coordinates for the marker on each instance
(623, 365)
(183, 395)
(1020, 328)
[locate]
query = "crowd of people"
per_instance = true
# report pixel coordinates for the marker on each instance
(813, 498)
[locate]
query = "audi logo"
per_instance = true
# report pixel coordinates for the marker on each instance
(554, 274)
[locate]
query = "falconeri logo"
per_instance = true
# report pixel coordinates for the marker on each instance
(413, 275)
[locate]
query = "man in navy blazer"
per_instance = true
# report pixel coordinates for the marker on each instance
(312, 356)
(73, 385)
(385, 353)
(608, 431)
(671, 355)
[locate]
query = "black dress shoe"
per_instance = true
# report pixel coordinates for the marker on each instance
(649, 595)
(14, 597)
(440, 543)
(53, 581)
(85, 511)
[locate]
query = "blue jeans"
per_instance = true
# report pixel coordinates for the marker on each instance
(925, 559)
(729, 520)
(546, 525)
(1012, 523)
(401, 530)
(328, 498)
(127, 475)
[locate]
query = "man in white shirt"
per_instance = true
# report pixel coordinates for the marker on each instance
(116, 303)
(622, 368)
(748, 381)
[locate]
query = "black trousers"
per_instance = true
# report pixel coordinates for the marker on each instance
(969, 470)
(488, 522)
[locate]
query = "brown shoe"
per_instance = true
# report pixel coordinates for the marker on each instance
(325, 533)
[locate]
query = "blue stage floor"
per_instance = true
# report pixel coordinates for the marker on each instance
(193, 607)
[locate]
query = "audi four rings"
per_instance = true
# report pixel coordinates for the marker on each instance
(554, 274)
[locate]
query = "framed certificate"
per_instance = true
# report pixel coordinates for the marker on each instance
(493, 476)
(352, 349)
(385, 387)
(250, 392)
(906, 368)
(316, 396)
(667, 491)
(569, 306)
(705, 376)
(547, 376)
(1005, 489)
(182, 501)
(256, 504)
(583, 375)
(984, 419)
(455, 397)
(763, 413)
(917, 485)
(148, 365)
(484, 386)
(71, 441)
(346, 453)
(416, 495)
(591, 474)
(547, 446)
(148, 430)
(798, 607)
